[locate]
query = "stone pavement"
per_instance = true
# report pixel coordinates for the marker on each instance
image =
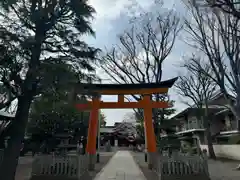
(223, 170)
(24, 168)
(121, 167)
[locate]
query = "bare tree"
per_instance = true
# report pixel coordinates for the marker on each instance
(227, 6)
(142, 50)
(129, 117)
(216, 35)
(199, 88)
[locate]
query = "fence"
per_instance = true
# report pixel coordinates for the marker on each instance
(1, 155)
(180, 166)
(72, 167)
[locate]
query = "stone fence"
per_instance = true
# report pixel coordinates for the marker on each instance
(50, 167)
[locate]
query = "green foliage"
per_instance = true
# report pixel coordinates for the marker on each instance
(50, 117)
(41, 51)
(51, 112)
(37, 36)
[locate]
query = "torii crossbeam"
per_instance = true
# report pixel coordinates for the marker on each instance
(146, 90)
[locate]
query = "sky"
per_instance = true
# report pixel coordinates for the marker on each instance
(112, 18)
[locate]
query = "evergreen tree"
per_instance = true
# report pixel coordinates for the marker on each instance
(35, 32)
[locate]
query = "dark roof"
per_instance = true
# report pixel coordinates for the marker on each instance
(220, 94)
(106, 130)
(212, 109)
(5, 114)
(108, 127)
(94, 87)
(194, 107)
(5, 121)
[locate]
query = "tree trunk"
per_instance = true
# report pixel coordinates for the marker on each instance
(11, 153)
(236, 112)
(209, 143)
(208, 132)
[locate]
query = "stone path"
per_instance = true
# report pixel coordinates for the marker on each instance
(24, 168)
(121, 167)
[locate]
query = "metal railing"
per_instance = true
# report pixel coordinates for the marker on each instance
(58, 166)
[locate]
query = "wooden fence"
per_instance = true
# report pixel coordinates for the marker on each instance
(72, 167)
(180, 166)
(1, 155)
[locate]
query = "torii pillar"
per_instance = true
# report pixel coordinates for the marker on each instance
(92, 132)
(151, 139)
(120, 90)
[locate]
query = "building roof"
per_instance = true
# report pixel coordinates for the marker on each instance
(122, 129)
(219, 94)
(215, 107)
(5, 120)
(95, 88)
(6, 114)
(106, 129)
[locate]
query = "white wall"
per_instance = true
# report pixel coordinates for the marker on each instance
(225, 151)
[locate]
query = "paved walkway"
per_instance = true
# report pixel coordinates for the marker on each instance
(121, 167)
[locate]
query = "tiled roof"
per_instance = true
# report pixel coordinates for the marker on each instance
(106, 130)
(6, 114)
(215, 97)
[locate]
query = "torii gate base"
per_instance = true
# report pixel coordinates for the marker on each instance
(146, 90)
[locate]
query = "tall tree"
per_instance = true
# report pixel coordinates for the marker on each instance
(51, 112)
(50, 117)
(142, 50)
(40, 31)
(216, 35)
(199, 88)
(8, 64)
(227, 6)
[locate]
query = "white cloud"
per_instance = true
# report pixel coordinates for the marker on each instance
(109, 18)
(108, 9)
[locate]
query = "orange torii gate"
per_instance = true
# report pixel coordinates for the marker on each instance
(96, 90)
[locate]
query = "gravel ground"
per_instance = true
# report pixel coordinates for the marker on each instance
(25, 167)
(222, 169)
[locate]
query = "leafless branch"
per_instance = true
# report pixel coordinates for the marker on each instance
(139, 56)
(216, 34)
(195, 85)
